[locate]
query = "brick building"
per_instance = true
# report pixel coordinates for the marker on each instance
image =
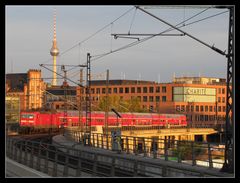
(202, 99)
(29, 87)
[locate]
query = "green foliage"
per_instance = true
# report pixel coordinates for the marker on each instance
(132, 105)
(185, 150)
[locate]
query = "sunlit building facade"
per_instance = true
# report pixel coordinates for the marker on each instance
(202, 99)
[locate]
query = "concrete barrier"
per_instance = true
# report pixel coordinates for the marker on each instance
(14, 169)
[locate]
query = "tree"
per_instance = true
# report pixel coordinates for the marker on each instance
(132, 105)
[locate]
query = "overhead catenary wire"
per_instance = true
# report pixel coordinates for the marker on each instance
(104, 27)
(132, 20)
(189, 35)
(147, 38)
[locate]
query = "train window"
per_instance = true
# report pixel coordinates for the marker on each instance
(30, 116)
(24, 116)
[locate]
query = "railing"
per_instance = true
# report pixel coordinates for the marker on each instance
(188, 152)
(62, 161)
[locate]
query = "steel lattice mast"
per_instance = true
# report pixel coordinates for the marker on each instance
(230, 102)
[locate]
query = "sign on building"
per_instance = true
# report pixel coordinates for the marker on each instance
(194, 94)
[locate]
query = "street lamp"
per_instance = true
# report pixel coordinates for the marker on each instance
(116, 135)
(117, 114)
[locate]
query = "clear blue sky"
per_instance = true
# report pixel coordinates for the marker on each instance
(29, 34)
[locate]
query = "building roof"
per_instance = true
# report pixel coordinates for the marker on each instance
(59, 90)
(199, 80)
(119, 82)
(16, 81)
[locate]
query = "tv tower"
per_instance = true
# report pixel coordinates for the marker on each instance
(54, 51)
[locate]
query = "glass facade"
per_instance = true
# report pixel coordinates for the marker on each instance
(192, 94)
(12, 109)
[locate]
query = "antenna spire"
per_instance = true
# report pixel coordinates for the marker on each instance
(54, 50)
(54, 24)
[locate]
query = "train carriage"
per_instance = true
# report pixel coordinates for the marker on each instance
(46, 120)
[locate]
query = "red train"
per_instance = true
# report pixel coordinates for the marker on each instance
(45, 120)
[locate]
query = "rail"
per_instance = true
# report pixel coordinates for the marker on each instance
(187, 152)
(62, 161)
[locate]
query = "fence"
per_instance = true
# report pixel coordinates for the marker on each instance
(189, 152)
(61, 161)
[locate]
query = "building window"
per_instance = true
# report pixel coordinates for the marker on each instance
(164, 89)
(157, 98)
(109, 90)
(223, 100)
(224, 109)
(103, 90)
(219, 108)
(126, 90)
(132, 90)
(151, 99)
(210, 108)
(144, 98)
(223, 90)
(182, 108)
(157, 89)
(197, 108)
(192, 108)
(206, 108)
(150, 89)
(120, 90)
(219, 90)
(219, 99)
(214, 108)
(145, 90)
(164, 98)
(114, 90)
(92, 90)
(151, 108)
(178, 108)
(139, 90)
(201, 108)
(98, 90)
(139, 98)
(187, 108)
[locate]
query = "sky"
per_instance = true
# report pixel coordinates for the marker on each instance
(29, 35)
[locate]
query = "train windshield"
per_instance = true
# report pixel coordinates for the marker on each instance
(29, 116)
